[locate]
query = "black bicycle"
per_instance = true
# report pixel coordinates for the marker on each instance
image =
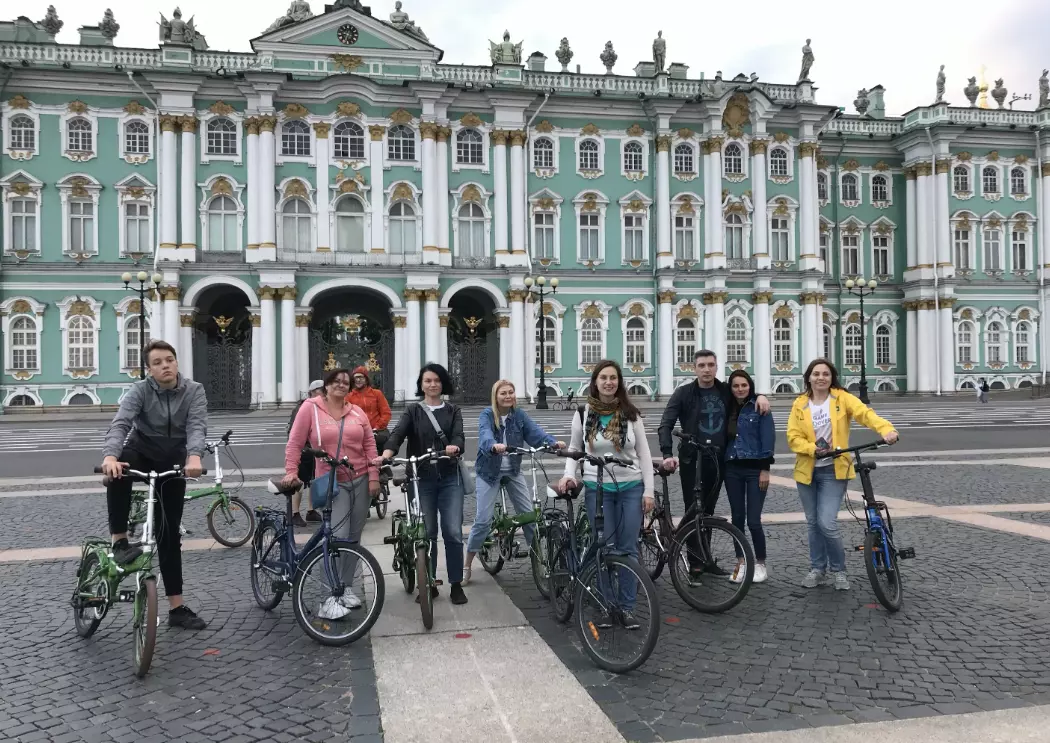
(612, 597)
(566, 403)
(337, 585)
(698, 547)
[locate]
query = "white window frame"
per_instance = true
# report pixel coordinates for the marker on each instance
(1003, 343)
(890, 237)
(774, 327)
(124, 318)
(95, 316)
(888, 177)
(366, 221)
(850, 203)
(557, 316)
(486, 146)
(93, 189)
(278, 134)
(309, 199)
(9, 114)
(417, 147)
(552, 171)
(209, 192)
(600, 141)
(825, 230)
(91, 116)
(883, 319)
(852, 344)
(625, 211)
(796, 311)
(206, 117)
(737, 311)
(603, 321)
(789, 152)
(998, 192)
(35, 193)
(554, 209)
(968, 222)
(685, 175)
(1020, 223)
(860, 228)
(828, 336)
(745, 161)
(486, 213)
(634, 175)
(827, 187)
(691, 347)
(1026, 182)
(417, 207)
(136, 158)
(136, 190)
(351, 162)
(1001, 229)
(601, 207)
(1028, 345)
(972, 331)
(693, 207)
(647, 325)
(790, 206)
(7, 318)
(966, 166)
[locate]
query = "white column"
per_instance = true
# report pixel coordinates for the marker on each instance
(188, 185)
(185, 344)
(324, 232)
(517, 193)
(442, 352)
(947, 350)
(927, 348)
(432, 327)
(911, 342)
(715, 323)
(911, 215)
(169, 187)
(664, 249)
(759, 225)
(532, 373)
(267, 186)
(399, 319)
(378, 241)
(924, 211)
(302, 345)
(288, 349)
(499, 193)
(428, 131)
(939, 182)
(665, 350)
(807, 203)
(443, 133)
(257, 390)
(252, 149)
(505, 342)
(413, 330)
(809, 322)
(268, 350)
(715, 252)
(762, 341)
(517, 340)
(171, 316)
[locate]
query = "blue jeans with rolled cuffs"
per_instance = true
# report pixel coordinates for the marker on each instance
(821, 500)
(488, 494)
(443, 495)
(622, 512)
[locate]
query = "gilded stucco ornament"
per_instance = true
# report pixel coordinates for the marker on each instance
(221, 186)
(471, 120)
(737, 112)
(590, 130)
(348, 108)
(296, 188)
(471, 193)
(400, 116)
(545, 127)
(77, 107)
(295, 111)
(220, 108)
(634, 130)
(347, 62)
(402, 192)
(134, 108)
(19, 101)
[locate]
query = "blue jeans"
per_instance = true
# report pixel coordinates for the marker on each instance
(623, 523)
(745, 503)
(444, 496)
(821, 500)
(520, 501)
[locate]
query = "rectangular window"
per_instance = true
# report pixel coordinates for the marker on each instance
(633, 248)
(81, 226)
(23, 225)
(962, 249)
(686, 342)
(782, 342)
(881, 255)
(992, 255)
(543, 245)
(136, 229)
(882, 349)
(778, 245)
(823, 247)
(1019, 249)
(852, 346)
(1021, 345)
(850, 255)
(588, 250)
(550, 349)
(591, 346)
(683, 239)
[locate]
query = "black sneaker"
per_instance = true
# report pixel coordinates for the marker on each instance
(313, 516)
(297, 520)
(123, 553)
(456, 595)
(628, 621)
(433, 593)
(712, 568)
(604, 621)
(183, 617)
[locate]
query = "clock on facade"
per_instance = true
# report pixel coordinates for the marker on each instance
(347, 34)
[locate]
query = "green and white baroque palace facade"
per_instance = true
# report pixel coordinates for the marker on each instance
(341, 196)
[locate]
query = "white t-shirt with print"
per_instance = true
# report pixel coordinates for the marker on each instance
(821, 414)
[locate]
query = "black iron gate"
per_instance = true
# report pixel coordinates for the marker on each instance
(471, 361)
(226, 344)
(352, 341)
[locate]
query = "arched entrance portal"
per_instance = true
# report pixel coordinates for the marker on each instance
(222, 347)
(350, 328)
(473, 345)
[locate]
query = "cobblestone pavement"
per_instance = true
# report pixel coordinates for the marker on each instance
(963, 485)
(251, 675)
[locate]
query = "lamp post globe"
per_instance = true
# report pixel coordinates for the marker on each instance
(125, 277)
(142, 276)
(554, 283)
(157, 278)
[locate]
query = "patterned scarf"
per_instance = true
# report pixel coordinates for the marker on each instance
(615, 431)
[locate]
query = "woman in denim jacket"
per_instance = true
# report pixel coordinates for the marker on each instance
(749, 453)
(502, 426)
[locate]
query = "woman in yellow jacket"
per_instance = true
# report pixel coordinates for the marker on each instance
(819, 422)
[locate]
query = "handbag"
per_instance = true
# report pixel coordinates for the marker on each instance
(469, 486)
(319, 487)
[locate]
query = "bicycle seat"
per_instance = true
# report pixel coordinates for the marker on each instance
(398, 482)
(658, 467)
(277, 487)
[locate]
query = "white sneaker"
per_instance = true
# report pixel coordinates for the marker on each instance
(332, 609)
(350, 601)
(739, 572)
(760, 574)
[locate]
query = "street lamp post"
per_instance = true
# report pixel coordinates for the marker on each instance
(861, 289)
(535, 287)
(144, 288)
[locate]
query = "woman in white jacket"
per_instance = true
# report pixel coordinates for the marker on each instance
(611, 424)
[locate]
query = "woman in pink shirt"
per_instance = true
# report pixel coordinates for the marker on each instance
(318, 424)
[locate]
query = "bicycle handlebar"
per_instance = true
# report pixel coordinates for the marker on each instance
(877, 444)
(330, 460)
(422, 458)
(520, 451)
(225, 441)
(688, 438)
(603, 461)
(145, 475)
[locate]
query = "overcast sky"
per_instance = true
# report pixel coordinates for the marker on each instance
(896, 43)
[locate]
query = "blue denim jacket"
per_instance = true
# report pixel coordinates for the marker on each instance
(755, 435)
(521, 430)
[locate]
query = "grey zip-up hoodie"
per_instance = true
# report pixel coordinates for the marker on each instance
(162, 423)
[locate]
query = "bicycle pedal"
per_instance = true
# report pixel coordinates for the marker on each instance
(390, 540)
(282, 585)
(126, 596)
(859, 548)
(908, 553)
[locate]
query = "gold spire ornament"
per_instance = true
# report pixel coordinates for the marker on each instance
(982, 87)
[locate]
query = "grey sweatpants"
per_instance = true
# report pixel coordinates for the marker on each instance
(352, 499)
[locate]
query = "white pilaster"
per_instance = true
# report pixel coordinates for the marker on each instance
(947, 350)
(302, 345)
(517, 196)
(505, 343)
(378, 241)
(432, 327)
(188, 187)
(715, 251)
(517, 340)
(324, 232)
(927, 348)
(666, 340)
(911, 215)
(664, 249)
(759, 230)
(185, 344)
(289, 389)
(762, 340)
(715, 324)
(532, 369)
(442, 353)
(939, 182)
(808, 206)
(428, 132)
(443, 226)
(170, 310)
(399, 319)
(499, 195)
(268, 331)
(911, 342)
(257, 363)
(169, 188)
(924, 216)
(267, 186)
(809, 339)
(254, 183)
(413, 330)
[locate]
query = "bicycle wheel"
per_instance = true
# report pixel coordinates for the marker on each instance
(267, 583)
(559, 574)
(885, 579)
(539, 559)
(145, 625)
(701, 565)
(426, 600)
(91, 583)
(382, 504)
(491, 553)
(350, 578)
(618, 631)
(232, 523)
(651, 555)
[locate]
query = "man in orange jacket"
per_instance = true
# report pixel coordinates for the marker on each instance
(373, 402)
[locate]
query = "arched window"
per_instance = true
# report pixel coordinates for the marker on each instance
(469, 149)
(685, 341)
(295, 226)
(81, 226)
(683, 159)
(852, 345)
(1022, 350)
(400, 143)
(637, 390)
(880, 190)
(134, 341)
(734, 237)
(883, 349)
(80, 399)
(885, 387)
(961, 178)
(23, 133)
(548, 329)
(472, 231)
(222, 224)
(784, 388)
(632, 157)
(736, 341)
(734, 159)
(137, 238)
(80, 343)
(995, 342)
(25, 344)
(993, 254)
(23, 224)
(967, 385)
(350, 225)
(589, 155)
(591, 341)
(778, 162)
(222, 137)
(402, 228)
(635, 341)
(136, 138)
(22, 401)
(543, 153)
(849, 188)
(295, 139)
(1017, 182)
(684, 237)
(990, 180)
(783, 341)
(997, 385)
(78, 133)
(822, 186)
(964, 343)
(778, 233)
(349, 141)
